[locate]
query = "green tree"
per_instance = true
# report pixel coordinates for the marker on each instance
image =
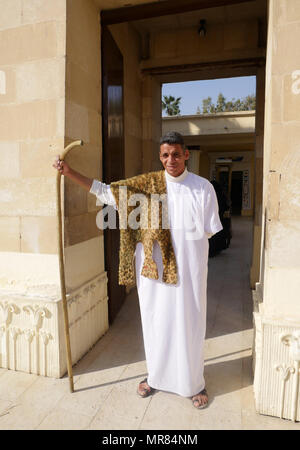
(207, 106)
(171, 105)
(249, 103)
(245, 104)
(221, 103)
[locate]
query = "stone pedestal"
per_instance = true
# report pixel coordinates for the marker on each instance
(32, 328)
(276, 383)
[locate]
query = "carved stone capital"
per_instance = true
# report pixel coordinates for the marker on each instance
(29, 334)
(37, 313)
(292, 340)
(13, 331)
(2, 330)
(6, 311)
(45, 336)
(285, 370)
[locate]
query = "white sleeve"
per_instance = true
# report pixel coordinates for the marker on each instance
(103, 193)
(212, 223)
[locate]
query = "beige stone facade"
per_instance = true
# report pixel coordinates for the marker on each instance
(43, 107)
(50, 95)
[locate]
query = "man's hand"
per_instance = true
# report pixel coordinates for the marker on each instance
(66, 170)
(61, 166)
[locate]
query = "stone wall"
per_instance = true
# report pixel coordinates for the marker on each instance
(282, 168)
(49, 95)
(152, 124)
(32, 68)
(83, 121)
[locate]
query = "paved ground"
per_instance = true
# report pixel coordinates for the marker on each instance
(106, 378)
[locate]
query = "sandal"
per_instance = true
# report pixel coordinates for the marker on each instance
(145, 392)
(197, 402)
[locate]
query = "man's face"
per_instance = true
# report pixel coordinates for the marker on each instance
(173, 158)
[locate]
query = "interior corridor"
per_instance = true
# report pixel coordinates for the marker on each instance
(106, 378)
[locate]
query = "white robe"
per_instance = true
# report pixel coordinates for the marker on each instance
(174, 316)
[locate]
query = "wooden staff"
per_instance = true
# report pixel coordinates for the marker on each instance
(61, 266)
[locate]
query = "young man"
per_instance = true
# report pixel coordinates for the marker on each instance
(173, 314)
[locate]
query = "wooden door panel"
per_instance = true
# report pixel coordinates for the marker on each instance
(113, 156)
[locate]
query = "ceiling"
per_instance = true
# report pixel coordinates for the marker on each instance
(112, 4)
(224, 14)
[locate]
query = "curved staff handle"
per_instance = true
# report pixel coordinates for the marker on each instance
(61, 266)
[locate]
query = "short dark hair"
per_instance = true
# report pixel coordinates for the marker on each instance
(172, 137)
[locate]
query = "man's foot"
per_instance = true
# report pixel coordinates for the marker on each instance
(200, 400)
(144, 390)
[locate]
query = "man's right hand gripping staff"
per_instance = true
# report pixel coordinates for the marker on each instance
(67, 171)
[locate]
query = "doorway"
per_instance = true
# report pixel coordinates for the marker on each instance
(159, 63)
(236, 194)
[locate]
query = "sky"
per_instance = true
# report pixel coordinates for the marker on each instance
(192, 92)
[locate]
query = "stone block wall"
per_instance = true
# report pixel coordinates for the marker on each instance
(32, 77)
(152, 124)
(83, 240)
(49, 95)
(281, 167)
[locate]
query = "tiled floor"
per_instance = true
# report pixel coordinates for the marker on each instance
(106, 378)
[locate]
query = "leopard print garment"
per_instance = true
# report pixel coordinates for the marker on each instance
(146, 184)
